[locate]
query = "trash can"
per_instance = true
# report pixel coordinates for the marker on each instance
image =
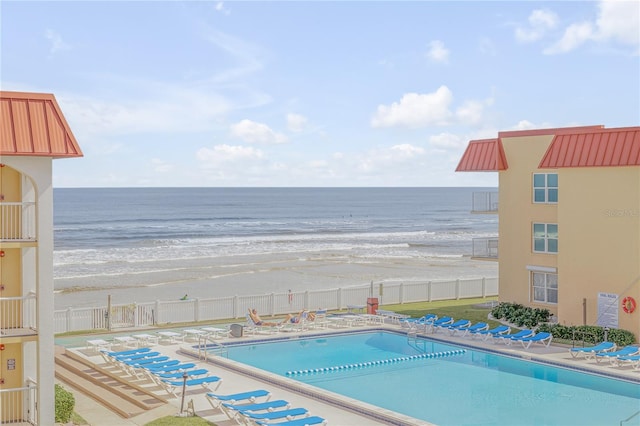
(236, 330)
(372, 305)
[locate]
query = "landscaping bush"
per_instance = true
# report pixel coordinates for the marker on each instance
(520, 315)
(593, 334)
(65, 402)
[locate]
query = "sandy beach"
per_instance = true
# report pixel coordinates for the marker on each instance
(258, 274)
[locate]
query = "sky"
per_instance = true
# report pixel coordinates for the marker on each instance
(314, 94)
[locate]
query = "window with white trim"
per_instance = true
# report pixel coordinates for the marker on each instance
(545, 188)
(544, 287)
(545, 238)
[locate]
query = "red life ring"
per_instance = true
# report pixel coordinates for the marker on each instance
(628, 304)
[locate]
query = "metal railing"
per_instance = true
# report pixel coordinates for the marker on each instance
(17, 221)
(19, 315)
(19, 405)
(485, 248)
(484, 202)
(235, 307)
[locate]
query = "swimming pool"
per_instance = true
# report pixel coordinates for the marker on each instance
(443, 383)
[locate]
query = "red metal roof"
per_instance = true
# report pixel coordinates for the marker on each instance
(601, 148)
(32, 124)
(486, 155)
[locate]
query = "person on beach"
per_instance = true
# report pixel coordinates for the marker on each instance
(185, 297)
(253, 314)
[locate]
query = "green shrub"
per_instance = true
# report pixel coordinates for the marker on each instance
(520, 315)
(65, 402)
(593, 334)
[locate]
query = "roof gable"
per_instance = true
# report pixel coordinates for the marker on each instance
(602, 148)
(32, 124)
(486, 155)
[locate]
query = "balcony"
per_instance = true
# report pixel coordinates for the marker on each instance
(17, 221)
(18, 316)
(485, 248)
(485, 202)
(19, 405)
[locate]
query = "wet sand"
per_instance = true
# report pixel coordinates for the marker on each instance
(258, 274)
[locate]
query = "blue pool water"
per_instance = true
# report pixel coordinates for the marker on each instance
(457, 386)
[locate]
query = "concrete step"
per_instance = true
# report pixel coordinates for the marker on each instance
(126, 399)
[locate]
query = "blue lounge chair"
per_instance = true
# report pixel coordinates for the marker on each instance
(625, 360)
(216, 399)
(269, 416)
(479, 326)
(232, 410)
(180, 374)
(463, 323)
(306, 421)
(172, 386)
(590, 350)
(440, 322)
(168, 366)
(414, 322)
(543, 338)
(508, 338)
(626, 351)
(494, 332)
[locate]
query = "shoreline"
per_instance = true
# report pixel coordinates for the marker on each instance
(259, 274)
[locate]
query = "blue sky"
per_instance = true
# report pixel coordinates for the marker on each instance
(295, 93)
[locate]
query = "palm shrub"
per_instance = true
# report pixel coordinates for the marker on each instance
(65, 402)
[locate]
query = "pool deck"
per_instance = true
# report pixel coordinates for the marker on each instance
(337, 410)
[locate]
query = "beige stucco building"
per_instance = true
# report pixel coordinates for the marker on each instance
(569, 220)
(33, 131)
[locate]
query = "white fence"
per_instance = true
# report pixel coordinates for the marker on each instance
(18, 221)
(194, 310)
(19, 404)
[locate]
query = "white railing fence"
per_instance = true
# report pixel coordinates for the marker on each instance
(236, 307)
(19, 404)
(18, 221)
(485, 247)
(19, 314)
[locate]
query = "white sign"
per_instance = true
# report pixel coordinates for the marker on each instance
(608, 310)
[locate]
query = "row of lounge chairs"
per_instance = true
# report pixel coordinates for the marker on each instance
(255, 407)
(310, 320)
(169, 374)
(144, 340)
(248, 408)
(430, 323)
(608, 351)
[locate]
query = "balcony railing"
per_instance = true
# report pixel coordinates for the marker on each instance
(18, 315)
(17, 221)
(485, 202)
(485, 248)
(19, 405)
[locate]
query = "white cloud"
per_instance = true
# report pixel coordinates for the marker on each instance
(447, 141)
(252, 132)
(220, 7)
(296, 122)
(616, 21)
(524, 125)
(437, 52)
(57, 44)
(161, 166)
(227, 155)
(619, 20)
(471, 112)
(574, 36)
(540, 21)
(416, 110)
(384, 160)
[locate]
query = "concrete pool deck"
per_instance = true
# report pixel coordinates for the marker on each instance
(337, 410)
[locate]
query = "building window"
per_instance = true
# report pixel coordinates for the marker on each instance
(544, 287)
(545, 188)
(545, 237)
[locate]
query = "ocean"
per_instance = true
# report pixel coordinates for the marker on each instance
(143, 244)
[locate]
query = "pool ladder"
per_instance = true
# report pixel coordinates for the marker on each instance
(208, 346)
(629, 418)
(414, 342)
